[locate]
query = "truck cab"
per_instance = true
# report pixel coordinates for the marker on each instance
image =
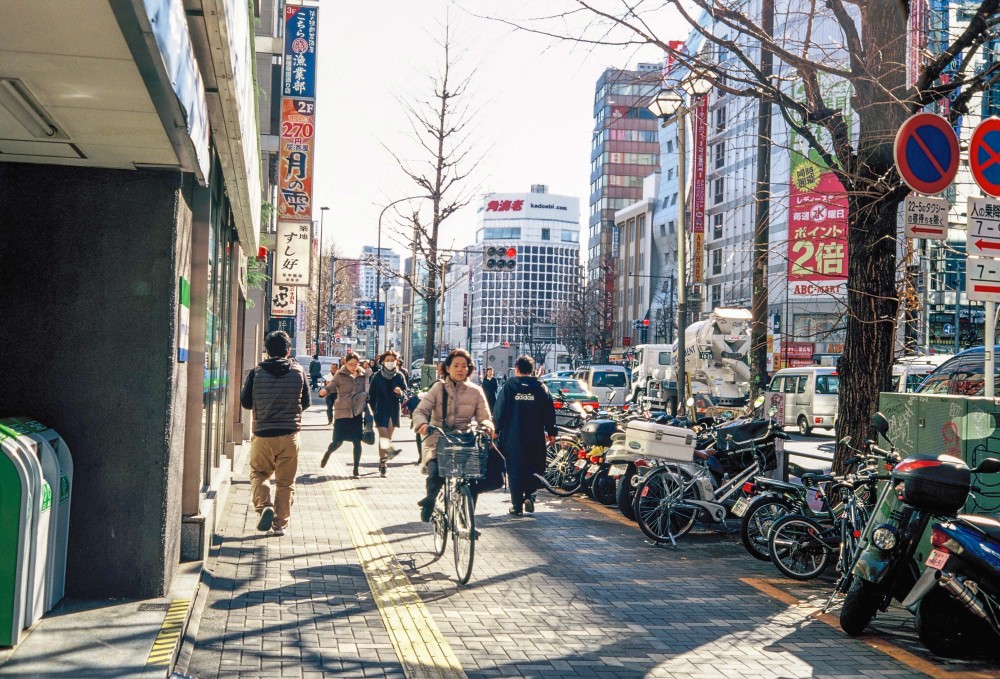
(652, 362)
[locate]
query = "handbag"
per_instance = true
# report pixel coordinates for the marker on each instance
(368, 434)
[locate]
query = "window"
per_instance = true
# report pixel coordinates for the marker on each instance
(720, 189)
(663, 230)
(546, 234)
(717, 226)
(720, 155)
(570, 236)
(498, 233)
(791, 383)
(664, 358)
(776, 384)
(826, 384)
(673, 199)
(716, 296)
(608, 379)
(670, 146)
(716, 262)
(720, 119)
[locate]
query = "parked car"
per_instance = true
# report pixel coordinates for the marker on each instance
(960, 375)
(909, 372)
(811, 394)
(558, 375)
(609, 382)
(572, 390)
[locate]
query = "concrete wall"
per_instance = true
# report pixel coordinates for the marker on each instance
(89, 272)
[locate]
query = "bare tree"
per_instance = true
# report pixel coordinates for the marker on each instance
(862, 43)
(345, 291)
(575, 326)
(441, 126)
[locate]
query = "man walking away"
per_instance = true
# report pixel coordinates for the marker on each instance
(315, 372)
(491, 385)
(277, 393)
(526, 421)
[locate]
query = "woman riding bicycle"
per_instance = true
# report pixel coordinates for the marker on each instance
(452, 403)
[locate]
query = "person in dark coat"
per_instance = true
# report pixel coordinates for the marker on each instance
(525, 419)
(491, 385)
(386, 389)
(315, 372)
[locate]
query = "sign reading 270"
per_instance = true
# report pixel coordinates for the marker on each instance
(295, 177)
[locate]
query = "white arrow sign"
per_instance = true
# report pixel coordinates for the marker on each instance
(984, 228)
(926, 217)
(982, 279)
(343, 307)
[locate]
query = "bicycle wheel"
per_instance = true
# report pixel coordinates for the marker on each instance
(560, 467)
(756, 524)
(661, 507)
(463, 532)
(439, 523)
(796, 548)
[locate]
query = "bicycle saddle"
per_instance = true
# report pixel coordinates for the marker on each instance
(815, 475)
(769, 484)
(704, 454)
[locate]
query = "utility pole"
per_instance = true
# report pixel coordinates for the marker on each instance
(761, 227)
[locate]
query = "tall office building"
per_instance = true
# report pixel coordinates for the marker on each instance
(369, 276)
(520, 306)
(625, 151)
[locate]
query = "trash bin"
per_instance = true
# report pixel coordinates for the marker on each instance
(38, 531)
(16, 509)
(57, 466)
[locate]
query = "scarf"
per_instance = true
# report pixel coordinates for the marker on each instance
(389, 374)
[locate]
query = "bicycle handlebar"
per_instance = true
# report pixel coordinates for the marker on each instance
(479, 431)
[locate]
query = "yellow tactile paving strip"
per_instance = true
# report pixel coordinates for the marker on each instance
(902, 655)
(169, 636)
(421, 648)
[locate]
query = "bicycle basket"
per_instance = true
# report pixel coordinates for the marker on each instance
(462, 457)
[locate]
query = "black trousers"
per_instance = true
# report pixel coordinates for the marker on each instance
(329, 408)
(434, 483)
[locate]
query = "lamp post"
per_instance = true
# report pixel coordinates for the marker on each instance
(666, 104)
(378, 266)
(444, 258)
(319, 274)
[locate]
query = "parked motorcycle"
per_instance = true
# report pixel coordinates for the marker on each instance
(957, 599)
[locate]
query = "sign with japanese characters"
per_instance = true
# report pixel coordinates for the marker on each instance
(925, 217)
(299, 58)
(796, 354)
(982, 279)
(983, 227)
(699, 176)
(283, 301)
(530, 206)
(292, 253)
(817, 231)
(295, 151)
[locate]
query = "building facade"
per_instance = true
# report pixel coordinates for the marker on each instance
(522, 306)
(369, 275)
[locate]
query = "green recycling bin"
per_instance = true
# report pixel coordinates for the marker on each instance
(41, 522)
(16, 515)
(57, 469)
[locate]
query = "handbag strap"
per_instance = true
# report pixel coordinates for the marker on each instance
(444, 406)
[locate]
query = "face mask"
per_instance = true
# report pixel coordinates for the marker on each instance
(390, 365)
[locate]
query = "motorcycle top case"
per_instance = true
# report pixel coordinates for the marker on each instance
(660, 441)
(598, 432)
(938, 484)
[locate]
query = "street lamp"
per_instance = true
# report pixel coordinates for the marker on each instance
(666, 104)
(378, 266)
(444, 258)
(385, 314)
(319, 275)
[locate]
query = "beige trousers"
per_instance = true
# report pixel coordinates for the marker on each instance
(277, 455)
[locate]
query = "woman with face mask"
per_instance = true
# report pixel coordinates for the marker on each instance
(387, 388)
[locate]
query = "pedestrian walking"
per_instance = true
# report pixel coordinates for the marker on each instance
(315, 372)
(327, 392)
(350, 393)
(277, 393)
(525, 419)
(491, 385)
(452, 403)
(387, 388)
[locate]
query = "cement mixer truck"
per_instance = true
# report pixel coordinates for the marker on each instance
(716, 365)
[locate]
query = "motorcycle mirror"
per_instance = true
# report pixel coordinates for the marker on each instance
(846, 441)
(990, 465)
(562, 392)
(772, 411)
(881, 425)
(758, 402)
(689, 402)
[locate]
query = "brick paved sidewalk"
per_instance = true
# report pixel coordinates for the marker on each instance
(571, 592)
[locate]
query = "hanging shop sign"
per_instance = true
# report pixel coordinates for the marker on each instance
(292, 253)
(700, 176)
(283, 301)
(296, 151)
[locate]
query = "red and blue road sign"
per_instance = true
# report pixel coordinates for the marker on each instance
(984, 156)
(926, 153)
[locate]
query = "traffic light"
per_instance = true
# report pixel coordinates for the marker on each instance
(499, 258)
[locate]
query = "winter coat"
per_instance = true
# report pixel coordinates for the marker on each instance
(277, 391)
(524, 414)
(491, 385)
(381, 394)
(350, 393)
(315, 368)
(466, 403)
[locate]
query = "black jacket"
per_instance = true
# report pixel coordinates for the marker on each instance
(381, 396)
(490, 386)
(277, 391)
(524, 414)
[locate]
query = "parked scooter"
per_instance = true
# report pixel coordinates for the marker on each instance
(957, 599)
(921, 487)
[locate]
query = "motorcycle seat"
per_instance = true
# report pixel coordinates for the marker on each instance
(815, 476)
(986, 524)
(704, 454)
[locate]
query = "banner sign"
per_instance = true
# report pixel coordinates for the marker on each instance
(184, 321)
(699, 176)
(283, 301)
(296, 151)
(915, 40)
(817, 231)
(797, 354)
(291, 253)
(299, 58)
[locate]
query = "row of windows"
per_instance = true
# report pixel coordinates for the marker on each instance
(565, 236)
(502, 233)
(625, 89)
(643, 136)
(609, 204)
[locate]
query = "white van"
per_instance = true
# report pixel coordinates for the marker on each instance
(909, 372)
(810, 396)
(608, 382)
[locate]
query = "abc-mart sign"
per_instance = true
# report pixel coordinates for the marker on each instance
(505, 206)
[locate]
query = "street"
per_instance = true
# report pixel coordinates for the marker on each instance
(353, 589)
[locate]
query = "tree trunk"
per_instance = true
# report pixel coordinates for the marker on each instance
(430, 356)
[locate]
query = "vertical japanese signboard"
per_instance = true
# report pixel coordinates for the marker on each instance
(283, 301)
(292, 254)
(915, 42)
(298, 114)
(699, 176)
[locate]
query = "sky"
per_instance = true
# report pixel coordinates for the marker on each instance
(531, 97)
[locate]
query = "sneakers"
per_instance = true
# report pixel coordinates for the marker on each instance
(355, 474)
(276, 532)
(392, 453)
(529, 504)
(326, 455)
(266, 518)
(515, 513)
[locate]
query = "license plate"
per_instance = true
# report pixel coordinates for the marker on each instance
(937, 559)
(618, 470)
(593, 468)
(740, 506)
(580, 464)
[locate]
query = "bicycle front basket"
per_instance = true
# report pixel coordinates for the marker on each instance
(461, 457)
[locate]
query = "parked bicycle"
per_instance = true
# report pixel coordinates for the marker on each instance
(461, 458)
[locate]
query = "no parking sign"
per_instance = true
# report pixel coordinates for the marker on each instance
(984, 156)
(926, 153)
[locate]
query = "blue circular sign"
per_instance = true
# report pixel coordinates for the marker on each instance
(984, 156)
(926, 153)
